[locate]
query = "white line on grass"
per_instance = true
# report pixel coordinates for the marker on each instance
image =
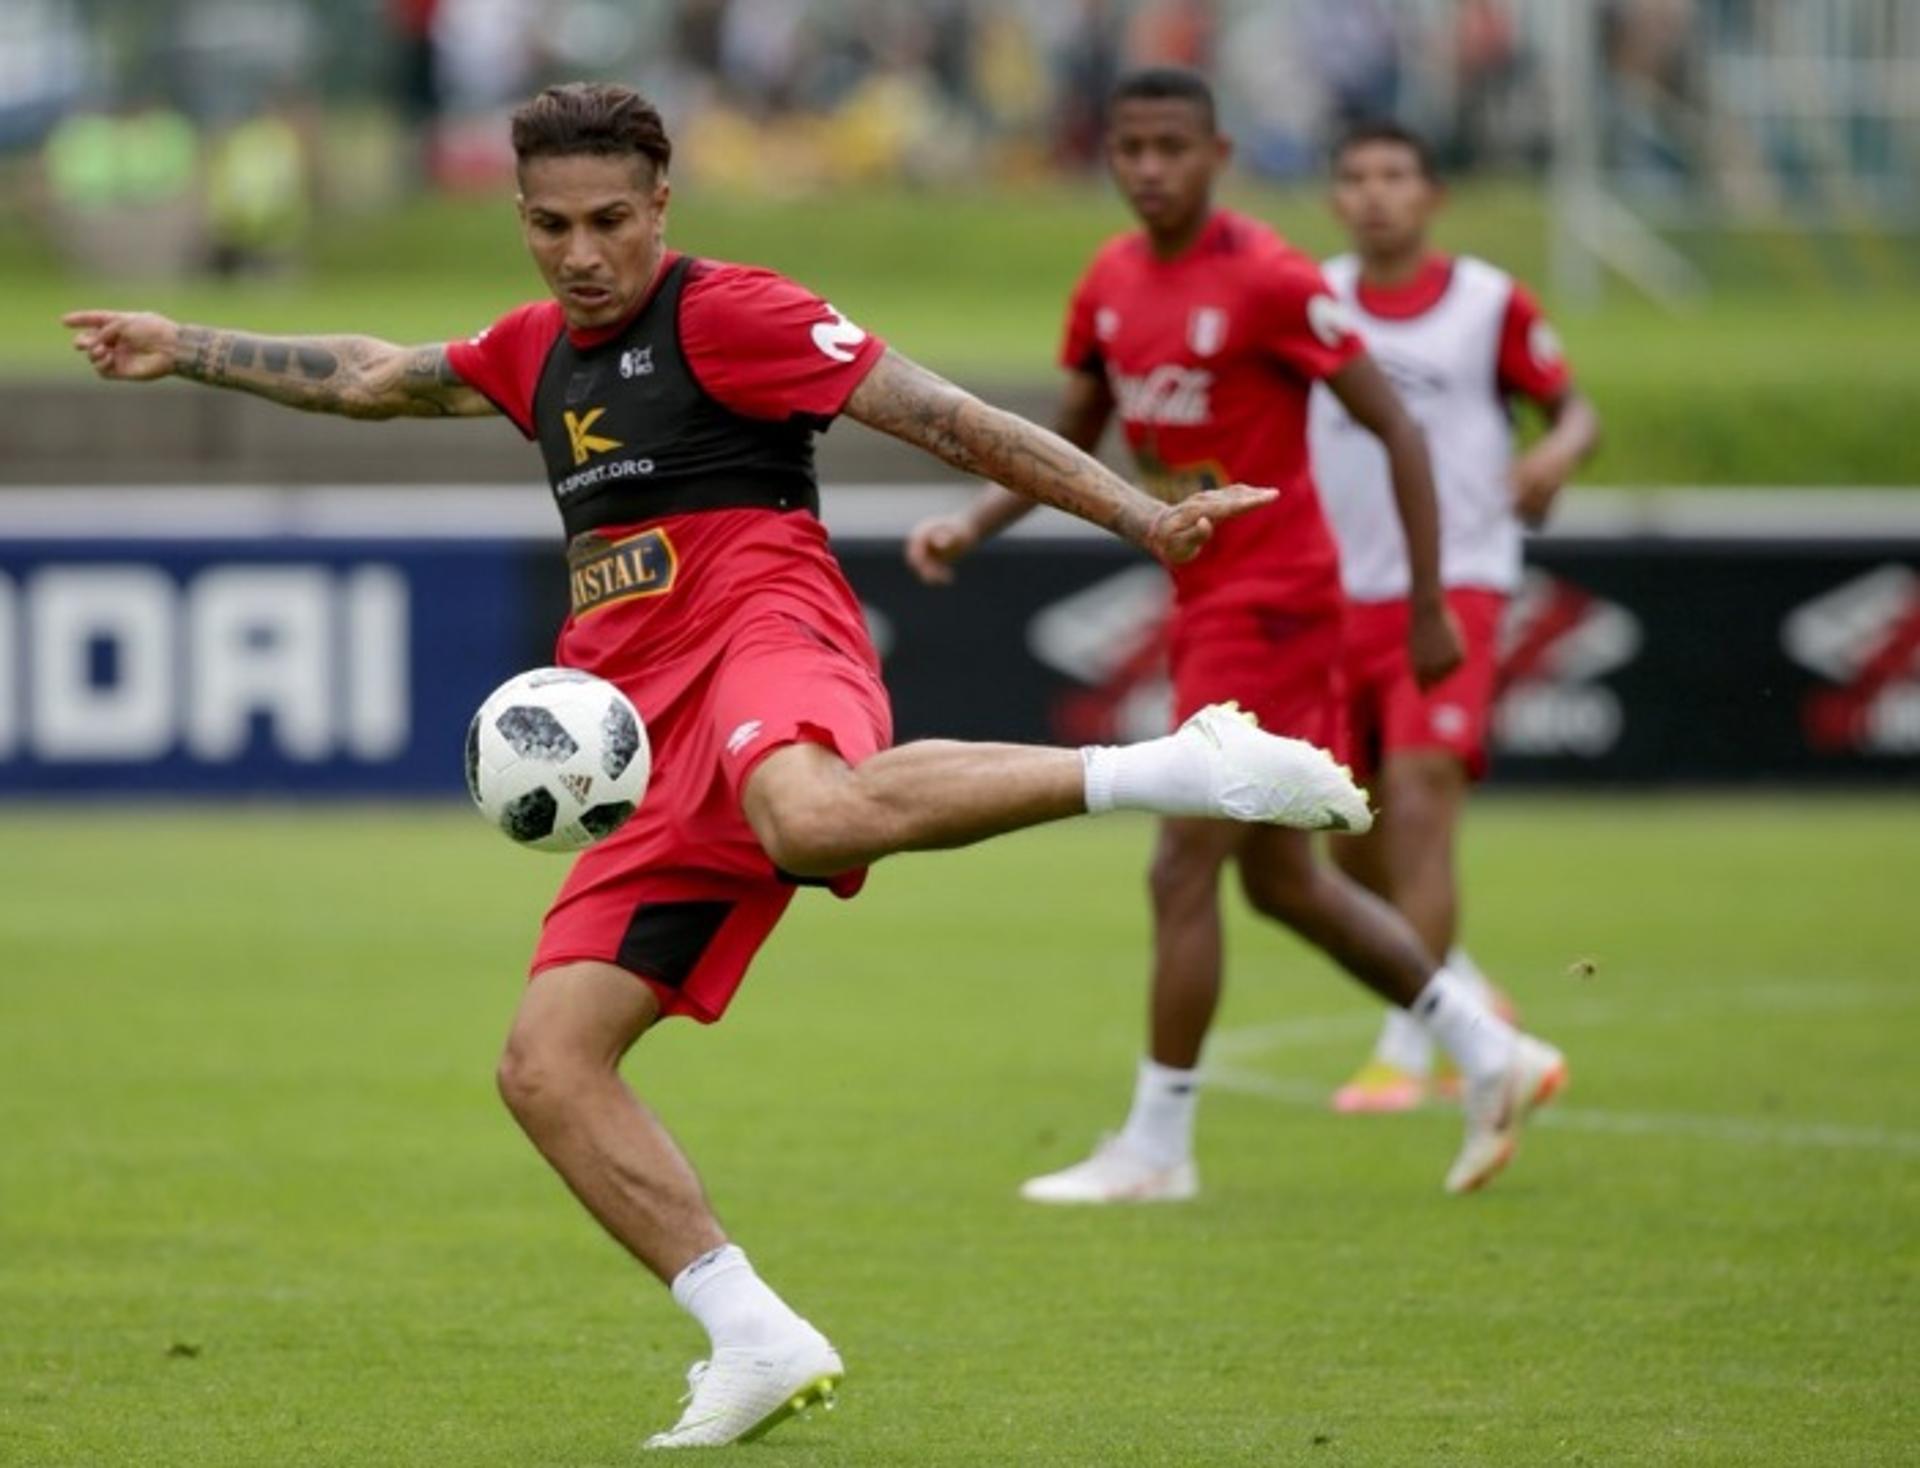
(1825, 1136)
(1807, 996)
(1290, 1034)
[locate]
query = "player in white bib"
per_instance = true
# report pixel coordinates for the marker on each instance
(1461, 341)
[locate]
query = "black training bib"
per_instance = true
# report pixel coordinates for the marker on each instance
(629, 434)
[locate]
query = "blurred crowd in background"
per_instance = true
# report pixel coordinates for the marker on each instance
(221, 122)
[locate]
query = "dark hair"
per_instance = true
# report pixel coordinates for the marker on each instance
(1165, 84)
(603, 119)
(1386, 130)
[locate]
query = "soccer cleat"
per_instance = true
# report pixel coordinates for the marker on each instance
(1497, 1107)
(1379, 1087)
(1256, 776)
(743, 1393)
(1115, 1174)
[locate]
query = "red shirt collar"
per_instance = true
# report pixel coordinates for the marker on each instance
(1412, 298)
(1212, 237)
(599, 336)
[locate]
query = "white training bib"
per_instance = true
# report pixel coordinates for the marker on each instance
(1445, 364)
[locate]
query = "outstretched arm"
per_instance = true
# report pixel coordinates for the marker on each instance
(904, 399)
(355, 376)
(935, 544)
(1363, 390)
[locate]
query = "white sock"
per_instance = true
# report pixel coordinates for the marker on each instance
(1404, 1044)
(1159, 1128)
(1480, 1042)
(1461, 965)
(1157, 775)
(721, 1291)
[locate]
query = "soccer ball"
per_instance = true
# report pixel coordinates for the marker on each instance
(557, 759)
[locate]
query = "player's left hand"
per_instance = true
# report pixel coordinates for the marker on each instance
(1433, 643)
(1536, 479)
(933, 546)
(1178, 531)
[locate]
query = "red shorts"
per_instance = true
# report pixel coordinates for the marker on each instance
(683, 895)
(1388, 713)
(1283, 667)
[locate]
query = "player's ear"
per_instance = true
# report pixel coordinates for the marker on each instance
(1222, 150)
(662, 192)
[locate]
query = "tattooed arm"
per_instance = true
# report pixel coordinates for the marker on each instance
(936, 544)
(356, 376)
(904, 399)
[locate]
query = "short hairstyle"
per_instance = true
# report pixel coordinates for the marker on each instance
(1166, 84)
(1386, 130)
(603, 119)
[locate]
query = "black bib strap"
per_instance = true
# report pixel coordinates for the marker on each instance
(628, 502)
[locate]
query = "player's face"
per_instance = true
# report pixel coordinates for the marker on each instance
(1383, 198)
(1165, 157)
(594, 227)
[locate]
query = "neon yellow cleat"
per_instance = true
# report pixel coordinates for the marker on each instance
(1380, 1087)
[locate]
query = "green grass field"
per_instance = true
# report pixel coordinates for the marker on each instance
(258, 1204)
(1802, 371)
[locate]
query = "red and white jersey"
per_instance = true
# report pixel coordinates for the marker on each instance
(1457, 342)
(1210, 357)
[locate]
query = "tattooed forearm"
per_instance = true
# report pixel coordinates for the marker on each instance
(429, 367)
(911, 403)
(355, 376)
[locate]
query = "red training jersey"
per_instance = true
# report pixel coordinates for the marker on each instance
(759, 346)
(1210, 357)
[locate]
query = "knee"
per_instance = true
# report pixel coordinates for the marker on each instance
(1420, 795)
(1180, 879)
(800, 803)
(1290, 893)
(798, 828)
(535, 1076)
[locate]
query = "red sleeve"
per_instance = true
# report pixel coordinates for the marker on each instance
(768, 348)
(1531, 365)
(1080, 349)
(503, 362)
(1303, 323)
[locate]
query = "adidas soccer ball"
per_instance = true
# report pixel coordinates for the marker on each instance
(557, 759)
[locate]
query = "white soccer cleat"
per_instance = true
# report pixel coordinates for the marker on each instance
(744, 1393)
(1256, 776)
(1496, 1109)
(1114, 1174)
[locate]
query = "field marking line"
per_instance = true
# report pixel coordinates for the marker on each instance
(1245, 1041)
(1807, 996)
(1822, 1136)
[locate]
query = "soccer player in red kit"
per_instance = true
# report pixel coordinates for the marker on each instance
(674, 401)
(1461, 340)
(1204, 332)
